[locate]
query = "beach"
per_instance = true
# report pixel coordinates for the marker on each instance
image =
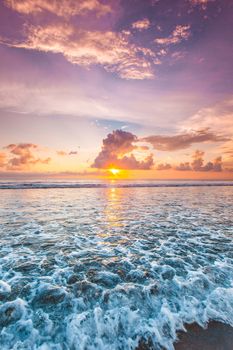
(217, 336)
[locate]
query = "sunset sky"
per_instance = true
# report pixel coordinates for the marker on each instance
(143, 86)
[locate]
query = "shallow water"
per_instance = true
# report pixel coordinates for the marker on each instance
(102, 268)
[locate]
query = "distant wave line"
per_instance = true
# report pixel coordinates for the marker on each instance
(14, 186)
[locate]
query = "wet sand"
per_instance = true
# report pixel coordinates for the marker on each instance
(217, 336)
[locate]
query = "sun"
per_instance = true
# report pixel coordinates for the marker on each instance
(114, 171)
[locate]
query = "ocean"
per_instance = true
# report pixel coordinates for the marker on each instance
(105, 266)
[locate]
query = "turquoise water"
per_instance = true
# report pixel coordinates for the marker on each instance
(103, 268)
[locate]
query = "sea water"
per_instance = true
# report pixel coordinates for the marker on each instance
(105, 267)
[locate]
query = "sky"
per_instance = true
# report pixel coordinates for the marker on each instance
(140, 86)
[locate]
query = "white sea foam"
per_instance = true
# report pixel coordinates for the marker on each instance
(99, 270)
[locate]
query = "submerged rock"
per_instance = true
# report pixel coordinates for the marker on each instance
(87, 290)
(137, 276)
(105, 279)
(78, 268)
(11, 312)
(168, 273)
(26, 267)
(20, 288)
(73, 279)
(154, 289)
(50, 295)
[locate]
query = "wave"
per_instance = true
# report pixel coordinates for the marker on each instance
(114, 184)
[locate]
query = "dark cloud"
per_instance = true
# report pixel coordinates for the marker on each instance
(182, 141)
(22, 155)
(114, 152)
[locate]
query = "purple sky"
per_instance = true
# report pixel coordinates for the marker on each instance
(76, 74)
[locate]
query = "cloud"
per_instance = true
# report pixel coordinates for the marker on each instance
(182, 141)
(141, 24)
(109, 49)
(229, 168)
(2, 159)
(115, 149)
(130, 162)
(163, 166)
(202, 3)
(179, 34)
(198, 164)
(63, 8)
(183, 167)
(51, 174)
(229, 153)
(22, 156)
(217, 117)
(64, 153)
(143, 148)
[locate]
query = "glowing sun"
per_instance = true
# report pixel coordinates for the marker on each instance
(114, 171)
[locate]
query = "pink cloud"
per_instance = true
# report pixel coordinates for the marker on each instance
(63, 8)
(109, 49)
(116, 147)
(182, 141)
(141, 24)
(179, 34)
(183, 166)
(163, 166)
(23, 155)
(198, 164)
(64, 153)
